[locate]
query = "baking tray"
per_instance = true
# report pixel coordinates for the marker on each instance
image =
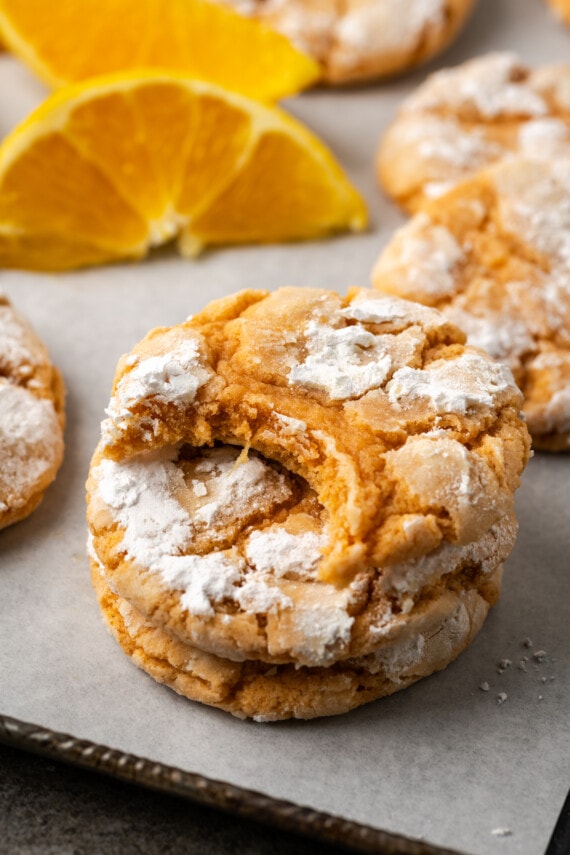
(442, 766)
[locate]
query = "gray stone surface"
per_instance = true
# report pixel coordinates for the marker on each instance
(48, 808)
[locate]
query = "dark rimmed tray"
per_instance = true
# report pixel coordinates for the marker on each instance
(247, 804)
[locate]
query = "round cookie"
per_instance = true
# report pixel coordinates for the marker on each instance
(303, 486)
(362, 39)
(256, 690)
(492, 255)
(464, 118)
(31, 417)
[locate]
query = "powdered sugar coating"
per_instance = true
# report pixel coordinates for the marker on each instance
(465, 118)
(544, 138)
(31, 418)
(21, 352)
(380, 26)
(369, 308)
(445, 140)
(157, 529)
(502, 335)
(344, 362)
(174, 377)
(229, 483)
(30, 445)
(411, 576)
(428, 255)
(489, 87)
(158, 535)
(534, 204)
(453, 386)
(511, 293)
(276, 550)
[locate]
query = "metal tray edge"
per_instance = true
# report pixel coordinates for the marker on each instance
(245, 803)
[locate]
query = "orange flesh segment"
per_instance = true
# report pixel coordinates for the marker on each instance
(65, 41)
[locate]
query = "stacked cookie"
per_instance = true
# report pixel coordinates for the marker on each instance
(482, 154)
(31, 417)
(301, 502)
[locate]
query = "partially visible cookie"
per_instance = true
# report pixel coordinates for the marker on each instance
(436, 635)
(31, 417)
(465, 118)
(561, 8)
(363, 39)
(493, 255)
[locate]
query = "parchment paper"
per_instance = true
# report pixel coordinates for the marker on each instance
(443, 760)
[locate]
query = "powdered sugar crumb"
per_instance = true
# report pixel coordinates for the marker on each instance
(501, 832)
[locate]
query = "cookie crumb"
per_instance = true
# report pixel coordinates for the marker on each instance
(539, 655)
(527, 642)
(199, 488)
(501, 832)
(522, 664)
(484, 686)
(541, 697)
(502, 697)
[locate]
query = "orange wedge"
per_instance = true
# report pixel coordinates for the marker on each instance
(64, 41)
(106, 169)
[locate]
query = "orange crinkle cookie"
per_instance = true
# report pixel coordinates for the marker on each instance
(492, 255)
(307, 495)
(31, 417)
(464, 118)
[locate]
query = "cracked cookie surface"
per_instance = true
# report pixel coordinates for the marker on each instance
(465, 118)
(252, 689)
(223, 555)
(31, 417)
(361, 39)
(346, 393)
(492, 255)
(297, 494)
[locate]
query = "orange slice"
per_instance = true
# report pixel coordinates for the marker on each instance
(106, 169)
(64, 41)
